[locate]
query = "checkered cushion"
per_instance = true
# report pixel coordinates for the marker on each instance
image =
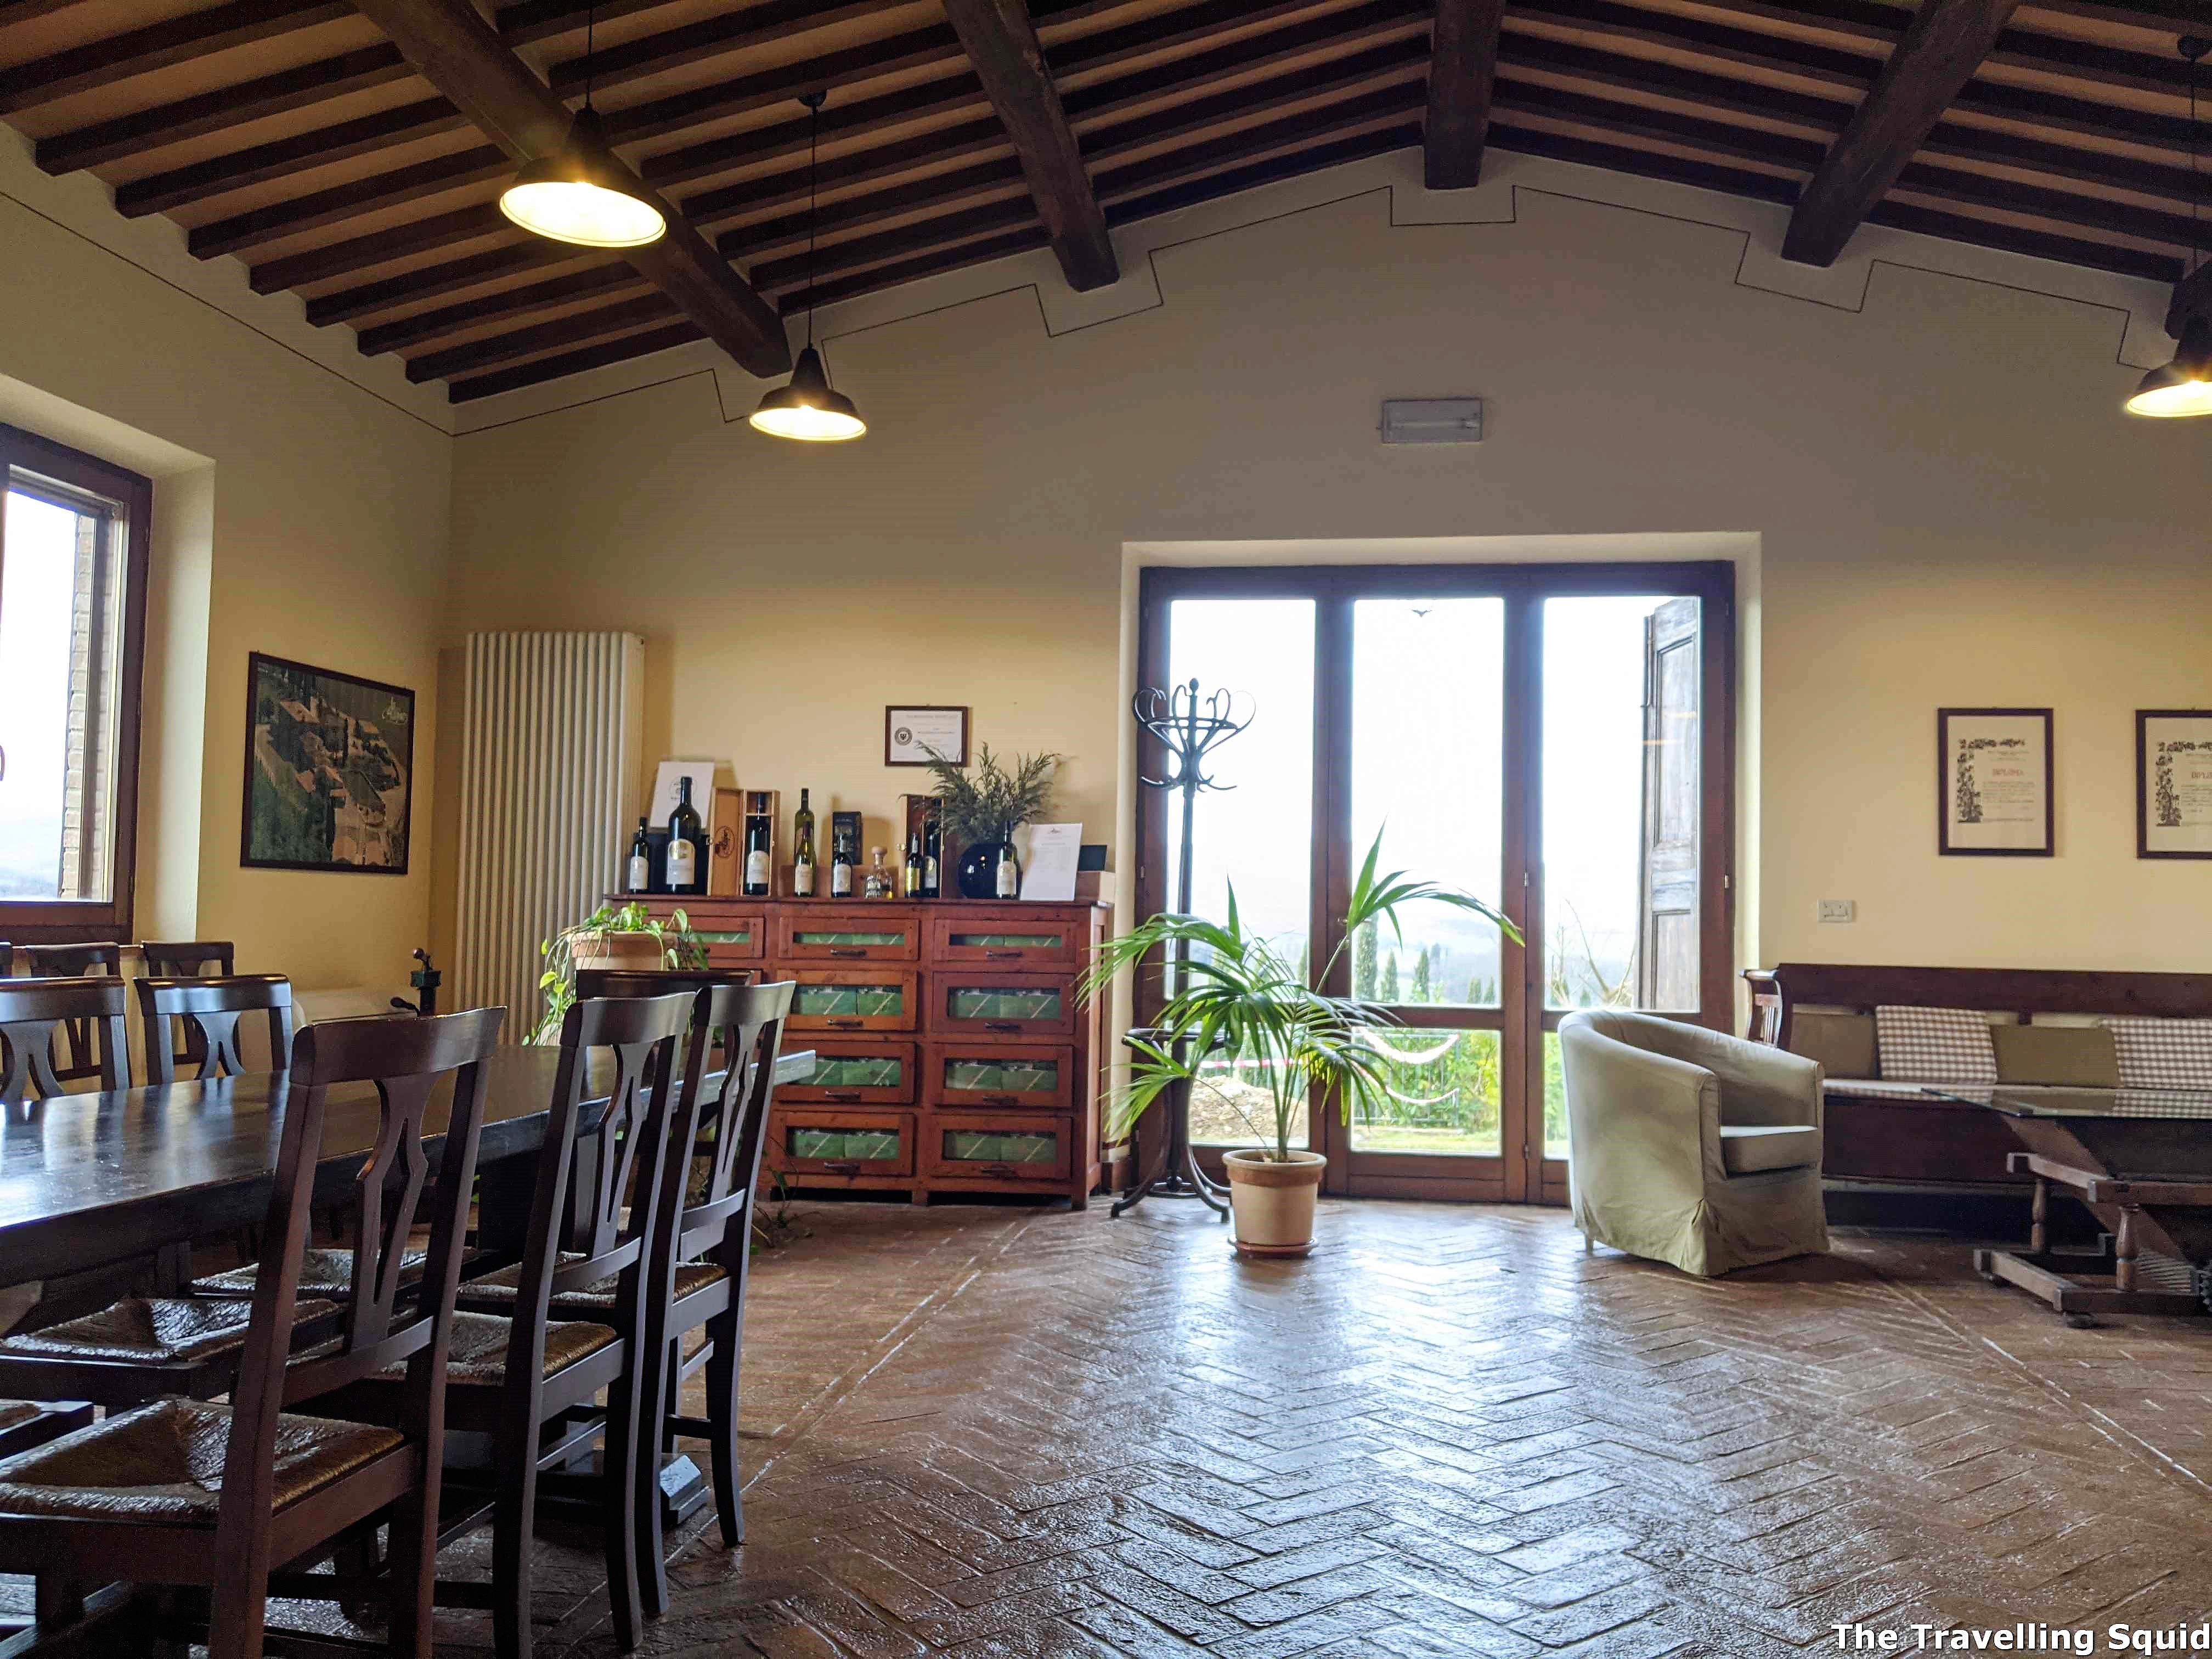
(1939, 1045)
(2163, 1054)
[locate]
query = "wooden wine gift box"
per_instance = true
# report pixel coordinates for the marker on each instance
(953, 1056)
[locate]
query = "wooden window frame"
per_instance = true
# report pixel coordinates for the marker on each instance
(1523, 1174)
(62, 921)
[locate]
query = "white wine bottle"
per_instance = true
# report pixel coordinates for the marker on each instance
(640, 861)
(760, 844)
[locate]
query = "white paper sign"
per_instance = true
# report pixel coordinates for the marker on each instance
(701, 774)
(1048, 872)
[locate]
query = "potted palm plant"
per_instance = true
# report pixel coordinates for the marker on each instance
(1230, 993)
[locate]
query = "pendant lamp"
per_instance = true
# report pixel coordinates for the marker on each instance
(2183, 386)
(580, 194)
(806, 407)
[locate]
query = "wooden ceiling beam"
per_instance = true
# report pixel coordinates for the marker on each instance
(742, 28)
(160, 45)
(1002, 44)
(243, 232)
(1463, 65)
(574, 362)
(160, 192)
(527, 22)
(576, 328)
(458, 52)
(387, 294)
(427, 327)
(2028, 239)
(218, 111)
(1938, 53)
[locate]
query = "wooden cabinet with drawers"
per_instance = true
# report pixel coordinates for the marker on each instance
(954, 1056)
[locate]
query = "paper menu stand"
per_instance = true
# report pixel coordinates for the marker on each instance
(1048, 870)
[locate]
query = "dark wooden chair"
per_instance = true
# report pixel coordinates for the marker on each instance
(138, 1491)
(34, 1015)
(213, 1008)
(654, 981)
(77, 1053)
(199, 958)
(28, 1422)
(529, 1380)
(696, 1270)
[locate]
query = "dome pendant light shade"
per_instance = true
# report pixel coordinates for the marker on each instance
(2183, 386)
(577, 195)
(807, 408)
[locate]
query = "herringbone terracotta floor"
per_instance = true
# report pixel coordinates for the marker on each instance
(983, 1432)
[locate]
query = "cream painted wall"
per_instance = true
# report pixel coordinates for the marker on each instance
(1950, 509)
(300, 515)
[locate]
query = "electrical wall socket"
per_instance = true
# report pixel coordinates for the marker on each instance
(1839, 910)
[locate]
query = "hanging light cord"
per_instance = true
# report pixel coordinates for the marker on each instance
(813, 213)
(2193, 47)
(590, 62)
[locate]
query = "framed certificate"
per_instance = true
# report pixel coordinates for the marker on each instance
(1993, 796)
(2173, 783)
(915, 734)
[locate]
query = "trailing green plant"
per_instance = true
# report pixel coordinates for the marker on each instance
(988, 804)
(1234, 995)
(679, 948)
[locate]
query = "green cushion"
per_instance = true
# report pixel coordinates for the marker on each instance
(1843, 1044)
(2078, 1056)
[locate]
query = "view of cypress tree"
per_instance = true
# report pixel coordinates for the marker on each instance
(1421, 977)
(1481, 992)
(1363, 963)
(1388, 992)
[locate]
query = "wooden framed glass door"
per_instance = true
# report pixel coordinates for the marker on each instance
(1557, 739)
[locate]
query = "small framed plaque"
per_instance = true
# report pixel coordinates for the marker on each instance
(2173, 783)
(916, 733)
(1993, 794)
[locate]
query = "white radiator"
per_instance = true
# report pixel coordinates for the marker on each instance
(551, 768)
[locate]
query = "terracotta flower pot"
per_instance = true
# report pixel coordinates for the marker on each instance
(1274, 1203)
(626, 951)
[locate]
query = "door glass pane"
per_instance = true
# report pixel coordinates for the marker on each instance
(1555, 1099)
(1259, 831)
(61, 641)
(1428, 678)
(1621, 803)
(1440, 1096)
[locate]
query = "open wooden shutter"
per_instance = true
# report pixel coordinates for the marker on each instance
(1667, 867)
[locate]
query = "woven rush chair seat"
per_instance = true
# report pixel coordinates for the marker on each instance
(325, 1272)
(479, 1353)
(13, 1412)
(500, 1289)
(147, 1330)
(165, 1462)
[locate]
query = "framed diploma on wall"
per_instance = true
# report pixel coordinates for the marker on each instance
(916, 733)
(1993, 794)
(2173, 783)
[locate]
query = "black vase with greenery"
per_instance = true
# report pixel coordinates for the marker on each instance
(982, 808)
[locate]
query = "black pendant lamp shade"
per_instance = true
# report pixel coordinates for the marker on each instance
(580, 194)
(806, 407)
(2183, 386)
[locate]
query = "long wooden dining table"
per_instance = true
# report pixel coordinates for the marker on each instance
(89, 1179)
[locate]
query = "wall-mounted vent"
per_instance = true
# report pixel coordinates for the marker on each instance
(1432, 420)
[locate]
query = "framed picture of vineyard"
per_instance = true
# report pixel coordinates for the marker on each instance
(1993, 795)
(2173, 783)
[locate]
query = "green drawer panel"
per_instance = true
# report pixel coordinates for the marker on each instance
(856, 1146)
(858, 1072)
(847, 1001)
(984, 1002)
(1003, 1146)
(847, 937)
(1023, 1076)
(1005, 941)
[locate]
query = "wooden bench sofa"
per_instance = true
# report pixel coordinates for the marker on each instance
(1895, 1156)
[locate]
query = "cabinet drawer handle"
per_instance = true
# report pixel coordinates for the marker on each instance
(1004, 1171)
(845, 1025)
(848, 950)
(848, 1096)
(842, 1166)
(1002, 1026)
(1002, 1100)
(1005, 956)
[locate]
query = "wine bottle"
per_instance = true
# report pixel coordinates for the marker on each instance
(1010, 873)
(685, 840)
(933, 850)
(841, 863)
(914, 864)
(760, 842)
(802, 849)
(640, 861)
